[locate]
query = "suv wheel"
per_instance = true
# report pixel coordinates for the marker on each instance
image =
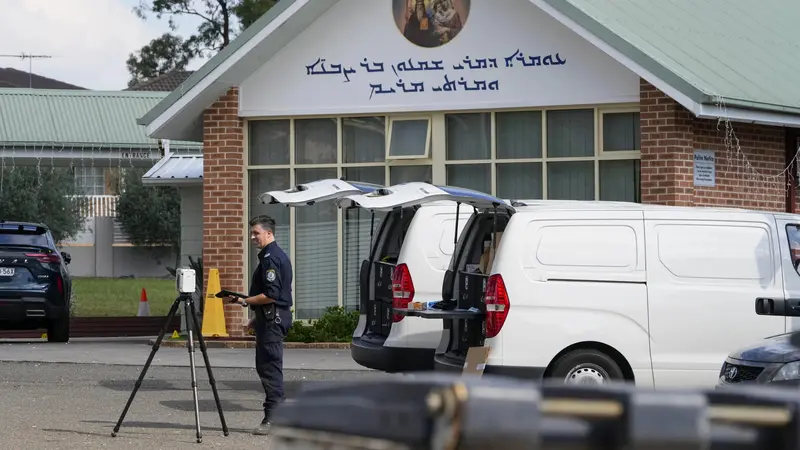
(58, 331)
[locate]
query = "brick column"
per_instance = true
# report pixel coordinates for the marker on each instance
(223, 201)
(667, 149)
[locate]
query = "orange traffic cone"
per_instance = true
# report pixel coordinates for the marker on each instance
(144, 306)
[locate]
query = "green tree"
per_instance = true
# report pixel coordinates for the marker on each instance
(168, 52)
(162, 55)
(149, 215)
(42, 195)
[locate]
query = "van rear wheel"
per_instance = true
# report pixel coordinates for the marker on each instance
(586, 366)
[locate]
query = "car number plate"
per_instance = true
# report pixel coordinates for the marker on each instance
(6, 271)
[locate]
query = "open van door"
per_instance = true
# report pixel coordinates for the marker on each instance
(416, 193)
(307, 194)
(789, 243)
(469, 287)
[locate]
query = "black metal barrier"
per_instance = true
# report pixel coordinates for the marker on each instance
(440, 411)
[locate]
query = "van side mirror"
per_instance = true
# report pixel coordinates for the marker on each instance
(778, 307)
(67, 257)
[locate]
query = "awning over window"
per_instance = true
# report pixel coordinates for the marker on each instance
(176, 169)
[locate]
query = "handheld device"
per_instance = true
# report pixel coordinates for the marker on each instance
(226, 293)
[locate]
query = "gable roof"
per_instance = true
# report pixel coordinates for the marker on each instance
(689, 51)
(167, 82)
(13, 78)
(179, 115)
(50, 117)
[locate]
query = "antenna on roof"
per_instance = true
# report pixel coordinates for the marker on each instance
(30, 57)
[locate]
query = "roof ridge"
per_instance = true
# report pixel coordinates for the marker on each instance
(80, 93)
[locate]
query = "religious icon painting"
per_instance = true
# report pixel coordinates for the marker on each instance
(430, 23)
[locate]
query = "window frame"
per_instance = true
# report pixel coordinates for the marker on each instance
(614, 154)
(435, 157)
(597, 157)
(390, 124)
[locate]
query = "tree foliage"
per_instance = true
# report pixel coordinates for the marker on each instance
(42, 195)
(162, 55)
(149, 215)
(218, 26)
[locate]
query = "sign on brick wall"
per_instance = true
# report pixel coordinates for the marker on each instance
(704, 168)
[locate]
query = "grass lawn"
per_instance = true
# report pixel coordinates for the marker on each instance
(120, 297)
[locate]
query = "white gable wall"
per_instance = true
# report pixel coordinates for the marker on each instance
(353, 30)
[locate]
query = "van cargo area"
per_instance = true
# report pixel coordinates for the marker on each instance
(465, 286)
(377, 302)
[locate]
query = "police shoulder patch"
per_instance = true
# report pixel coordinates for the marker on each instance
(271, 275)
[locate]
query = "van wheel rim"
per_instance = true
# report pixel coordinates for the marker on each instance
(586, 374)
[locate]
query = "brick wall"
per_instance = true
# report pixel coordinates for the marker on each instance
(223, 201)
(749, 158)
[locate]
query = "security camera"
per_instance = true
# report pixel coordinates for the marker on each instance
(185, 280)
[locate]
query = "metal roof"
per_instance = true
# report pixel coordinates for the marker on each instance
(176, 169)
(77, 117)
(745, 53)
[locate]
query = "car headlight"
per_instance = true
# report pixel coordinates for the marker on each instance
(789, 371)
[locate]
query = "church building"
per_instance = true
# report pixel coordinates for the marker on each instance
(681, 103)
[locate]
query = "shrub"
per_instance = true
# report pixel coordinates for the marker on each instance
(335, 325)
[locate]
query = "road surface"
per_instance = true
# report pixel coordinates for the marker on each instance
(49, 403)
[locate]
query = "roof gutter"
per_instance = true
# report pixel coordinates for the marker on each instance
(749, 104)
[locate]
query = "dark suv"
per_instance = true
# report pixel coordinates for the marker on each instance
(35, 286)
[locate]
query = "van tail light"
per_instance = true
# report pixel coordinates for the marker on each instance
(48, 258)
(402, 290)
(497, 305)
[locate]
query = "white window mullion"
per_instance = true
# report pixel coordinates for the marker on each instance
(544, 155)
(339, 217)
(292, 215)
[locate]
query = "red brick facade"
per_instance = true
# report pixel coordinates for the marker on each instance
(223, 201)
(748, 175)
(749, 159)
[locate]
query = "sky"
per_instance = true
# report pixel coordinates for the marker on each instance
(89, 40)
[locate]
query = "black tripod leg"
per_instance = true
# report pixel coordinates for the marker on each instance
(190, 346)
(211, 380)
(157, 344)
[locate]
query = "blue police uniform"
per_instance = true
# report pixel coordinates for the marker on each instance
(273, 278)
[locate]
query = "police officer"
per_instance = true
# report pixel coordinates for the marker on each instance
(270, 298)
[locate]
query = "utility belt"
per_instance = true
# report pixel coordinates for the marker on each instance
(269, 312)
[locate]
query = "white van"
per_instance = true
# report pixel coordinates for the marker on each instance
(589, 292)
(420, 272)
(412, 242)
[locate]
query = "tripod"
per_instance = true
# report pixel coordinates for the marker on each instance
(191, 311)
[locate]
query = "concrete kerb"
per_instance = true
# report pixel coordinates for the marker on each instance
(249, 343)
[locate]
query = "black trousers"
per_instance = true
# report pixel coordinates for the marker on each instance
(269, 363)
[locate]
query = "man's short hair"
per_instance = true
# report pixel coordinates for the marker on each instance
(266, 222)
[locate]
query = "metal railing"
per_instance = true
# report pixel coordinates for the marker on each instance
(98, 205)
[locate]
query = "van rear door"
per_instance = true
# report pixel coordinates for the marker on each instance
(397, 199)
(307, 194)
(789, 245)
(414, 194)
(470, 286)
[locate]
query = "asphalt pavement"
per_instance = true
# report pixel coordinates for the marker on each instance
(70, 396)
